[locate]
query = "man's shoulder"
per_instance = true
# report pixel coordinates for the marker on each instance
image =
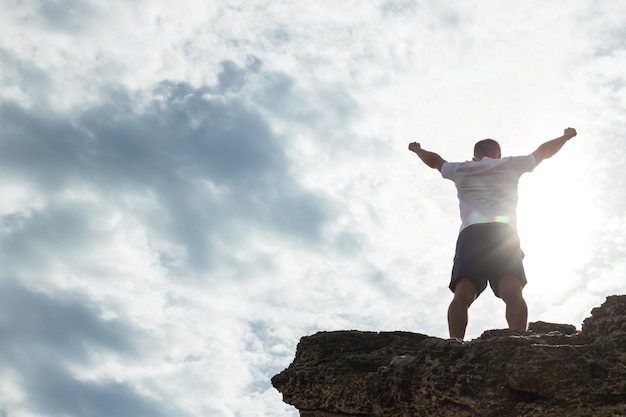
(448, 169)
(520, 157)
(523, 162)
(520, 164)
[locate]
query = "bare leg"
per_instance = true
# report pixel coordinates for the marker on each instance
(464, 296)
(510, 290)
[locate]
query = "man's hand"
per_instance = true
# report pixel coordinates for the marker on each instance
(429, 158)
(570, 132)
(414, 147)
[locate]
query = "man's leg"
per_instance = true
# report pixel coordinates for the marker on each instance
(464, 296)
(510, 290)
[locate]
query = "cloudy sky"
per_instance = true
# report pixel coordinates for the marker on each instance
(190, 187)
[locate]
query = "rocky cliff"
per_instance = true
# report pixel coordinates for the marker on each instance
(550, 370)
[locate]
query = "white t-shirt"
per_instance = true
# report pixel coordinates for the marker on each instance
(487, 189)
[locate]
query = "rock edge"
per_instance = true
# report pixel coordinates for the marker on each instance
(549, 370)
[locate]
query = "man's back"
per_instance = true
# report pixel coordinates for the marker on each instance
(487, 189)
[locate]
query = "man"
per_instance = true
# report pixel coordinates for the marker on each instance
(488, 247)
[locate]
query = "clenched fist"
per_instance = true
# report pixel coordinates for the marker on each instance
(569, 132)
(414, 146)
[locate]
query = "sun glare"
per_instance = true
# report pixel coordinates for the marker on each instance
(555, 222)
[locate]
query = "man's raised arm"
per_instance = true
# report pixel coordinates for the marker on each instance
(548, 149)
(431, 159)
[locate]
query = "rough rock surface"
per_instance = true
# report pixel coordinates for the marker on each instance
(550, 370)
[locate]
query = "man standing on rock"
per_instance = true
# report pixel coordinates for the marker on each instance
(488, 247)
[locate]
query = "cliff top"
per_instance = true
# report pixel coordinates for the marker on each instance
(551, 369)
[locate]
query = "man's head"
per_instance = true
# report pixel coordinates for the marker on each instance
(487, 148)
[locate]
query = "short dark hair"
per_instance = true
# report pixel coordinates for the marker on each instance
(486, 147)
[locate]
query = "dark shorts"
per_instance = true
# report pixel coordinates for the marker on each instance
(484, 253)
